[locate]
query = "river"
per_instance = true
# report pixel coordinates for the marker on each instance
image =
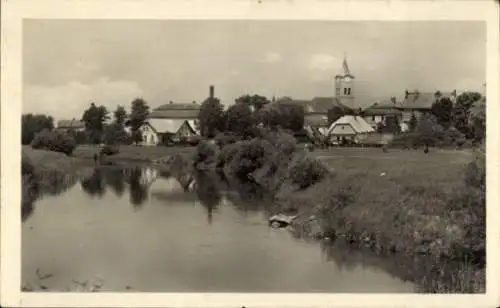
(139, 230)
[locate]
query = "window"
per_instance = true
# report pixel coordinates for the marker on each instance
(373, 118)
(145, 127)
(348, 91)
(345, 91)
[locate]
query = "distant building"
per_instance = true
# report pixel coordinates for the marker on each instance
(420, 103)
(71, 125)
(379, 112)
(172, 123)
(349, 129)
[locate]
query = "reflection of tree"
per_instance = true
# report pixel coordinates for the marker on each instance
(115, 179)
(246, 196)
(138, 191)
(344, 256)
(94, 185)
(208, 192)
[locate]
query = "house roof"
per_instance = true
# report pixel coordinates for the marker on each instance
(176, 111)
(383, 108)
(70, 124)
(166, 125)
(357, 123)
(422, 100)
(317, 104)
(316, 120)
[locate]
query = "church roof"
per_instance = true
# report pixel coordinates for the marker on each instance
(317, 104)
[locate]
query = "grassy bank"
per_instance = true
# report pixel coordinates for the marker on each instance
(405, 204)
(130, 153)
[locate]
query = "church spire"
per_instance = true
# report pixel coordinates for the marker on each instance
(345, 66)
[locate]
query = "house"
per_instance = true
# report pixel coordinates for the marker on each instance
(420, 103)
(71, 125)
(349, 129)
(172, 123)
(379, 112)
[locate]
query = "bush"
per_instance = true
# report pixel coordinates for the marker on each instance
(307, 172)
(226, 155)
(250, 156)
(204, 155)
(223, 139)
(54, 141)
(109, 150)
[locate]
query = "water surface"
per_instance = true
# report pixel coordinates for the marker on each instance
(139, 230)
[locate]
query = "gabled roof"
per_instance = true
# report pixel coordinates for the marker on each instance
(383, 108)
(357, 123)
(176, 111)
(70, 124)
(422, 100)
(163, 126)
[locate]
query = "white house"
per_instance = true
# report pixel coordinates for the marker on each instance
(349, 128)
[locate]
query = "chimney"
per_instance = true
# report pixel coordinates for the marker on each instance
(211, 91)
(454, 93)
(393, 100)
(406, 94)
(274, 99)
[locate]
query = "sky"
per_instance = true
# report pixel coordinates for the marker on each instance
(69, 63)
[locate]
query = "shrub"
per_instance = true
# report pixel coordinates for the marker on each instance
(54, 141)
(204, 155)
(307, 172)
(250, 156)
(223, 139)
(226, 155)
(109, 150)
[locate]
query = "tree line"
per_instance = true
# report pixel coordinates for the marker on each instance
(97, 128)
(248, 112)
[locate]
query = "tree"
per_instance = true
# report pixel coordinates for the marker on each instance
(413, 122)
(120, 115)
(211, 117)
(240, 119)
(257, 101)
(34, 123)
(442, 109)
(478, 126)
(462, 111)
(94, 118)
(391, 125)
(334, 114)
(286, 116)
(114, 133)
(139, 113)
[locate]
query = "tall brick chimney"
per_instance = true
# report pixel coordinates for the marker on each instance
(211, 91)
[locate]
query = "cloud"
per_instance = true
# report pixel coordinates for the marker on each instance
(272, 57)
(71, 99)
(323, 62)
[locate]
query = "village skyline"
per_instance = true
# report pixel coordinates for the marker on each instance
(113, 62)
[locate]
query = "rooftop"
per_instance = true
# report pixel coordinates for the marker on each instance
(423, 100)
(176, 111)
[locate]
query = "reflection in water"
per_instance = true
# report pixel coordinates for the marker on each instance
(208, 258)
(34, 187)
(94, 185)
(208, 192)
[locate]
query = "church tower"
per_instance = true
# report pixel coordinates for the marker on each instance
(344, 86)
